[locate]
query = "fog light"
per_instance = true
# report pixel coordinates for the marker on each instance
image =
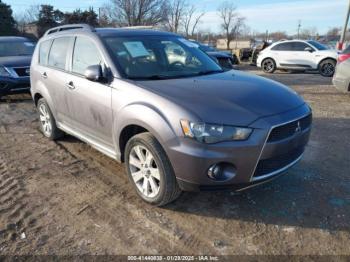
(214, 172)
(222, 171)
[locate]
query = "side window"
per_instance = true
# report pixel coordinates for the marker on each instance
(58, 52)
(85, 54)
(44, 51)
(299, 46)
(283, 47)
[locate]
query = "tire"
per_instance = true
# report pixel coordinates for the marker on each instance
(47, 121)
(268, 65)
(327, 67)
(154, 180)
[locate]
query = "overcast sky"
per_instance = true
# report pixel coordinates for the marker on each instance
(261, 15)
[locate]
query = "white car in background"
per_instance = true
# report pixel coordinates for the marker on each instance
(298, 55)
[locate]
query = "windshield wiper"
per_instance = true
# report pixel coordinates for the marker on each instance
(208, 72)
(152, 77)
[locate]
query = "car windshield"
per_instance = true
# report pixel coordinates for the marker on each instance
(206, 48)
(16, 48)
(318, 45)
(159, 57)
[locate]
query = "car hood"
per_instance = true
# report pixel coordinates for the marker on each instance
(218, 54)
(233, 97)
(14, 61)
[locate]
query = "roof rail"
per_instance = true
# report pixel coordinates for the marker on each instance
(139, 27)
(69, 27)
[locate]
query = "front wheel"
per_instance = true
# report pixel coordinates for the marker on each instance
(327, 67)
(268, 65)
(150, 171)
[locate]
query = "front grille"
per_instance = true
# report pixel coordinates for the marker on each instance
(267, 166)
(22, 71)
(288, 130)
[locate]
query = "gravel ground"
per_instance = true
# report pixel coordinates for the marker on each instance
(66, 198)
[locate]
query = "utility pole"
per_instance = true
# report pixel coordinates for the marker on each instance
(342, 38)
(299, 26)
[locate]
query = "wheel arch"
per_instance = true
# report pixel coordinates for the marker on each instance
(324, 59)
(268, 57)
(139, 118)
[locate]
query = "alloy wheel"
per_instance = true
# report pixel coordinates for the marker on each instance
(328, 69)
(144, 171)
(268, 66)
(45, 120)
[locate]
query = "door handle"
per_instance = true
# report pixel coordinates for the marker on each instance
(44, 75)
(70, 85)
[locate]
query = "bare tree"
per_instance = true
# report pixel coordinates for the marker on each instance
(231, 21)
(191, 20)
(176, 12)
(26, 17)
(308, 33)
(139, 12)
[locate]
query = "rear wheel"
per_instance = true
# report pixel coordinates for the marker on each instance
(47, 121)
(268, 65)
(150, 171)
(327, 67)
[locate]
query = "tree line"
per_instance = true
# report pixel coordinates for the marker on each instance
(178, 16)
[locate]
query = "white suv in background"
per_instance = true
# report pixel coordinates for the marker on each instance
(298, 55)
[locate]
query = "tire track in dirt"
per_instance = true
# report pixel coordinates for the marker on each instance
(17, 216)
(171, 228)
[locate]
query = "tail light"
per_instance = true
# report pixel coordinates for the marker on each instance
(343, 57)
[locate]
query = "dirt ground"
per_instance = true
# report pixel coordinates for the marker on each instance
(65, 198)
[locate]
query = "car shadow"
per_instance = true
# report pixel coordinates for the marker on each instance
(313, 194)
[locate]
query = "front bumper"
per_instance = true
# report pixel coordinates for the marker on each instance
(10, 85)
(253, 161)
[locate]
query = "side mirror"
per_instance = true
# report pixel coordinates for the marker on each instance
(93, 73)
(309, 49)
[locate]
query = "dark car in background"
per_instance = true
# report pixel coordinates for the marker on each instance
(225, 59)
(341, 77)
(15, 57)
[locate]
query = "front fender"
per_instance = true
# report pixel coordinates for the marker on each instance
(148, 117)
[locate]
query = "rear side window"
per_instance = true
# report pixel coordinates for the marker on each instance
(44, 51)
(58, 52)
(85, 54)
(283, 47)
(300, 46)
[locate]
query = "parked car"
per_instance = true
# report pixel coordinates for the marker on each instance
(298, 55)
(15, 56)
(176, 125)
(341, 77)
(225, 59)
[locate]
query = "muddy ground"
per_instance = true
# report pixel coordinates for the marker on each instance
(64, 197)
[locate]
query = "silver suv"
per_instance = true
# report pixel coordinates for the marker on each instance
(158, 103)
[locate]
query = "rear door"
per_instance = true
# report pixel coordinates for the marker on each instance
(55, 73)
(301, 57)
(282, 53)
(89, 102)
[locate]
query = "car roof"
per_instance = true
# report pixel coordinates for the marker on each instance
(13, 39)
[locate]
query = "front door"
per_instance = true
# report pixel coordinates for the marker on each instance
(89, 102)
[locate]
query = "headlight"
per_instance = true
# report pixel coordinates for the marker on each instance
(4, 72)
(211, 133)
